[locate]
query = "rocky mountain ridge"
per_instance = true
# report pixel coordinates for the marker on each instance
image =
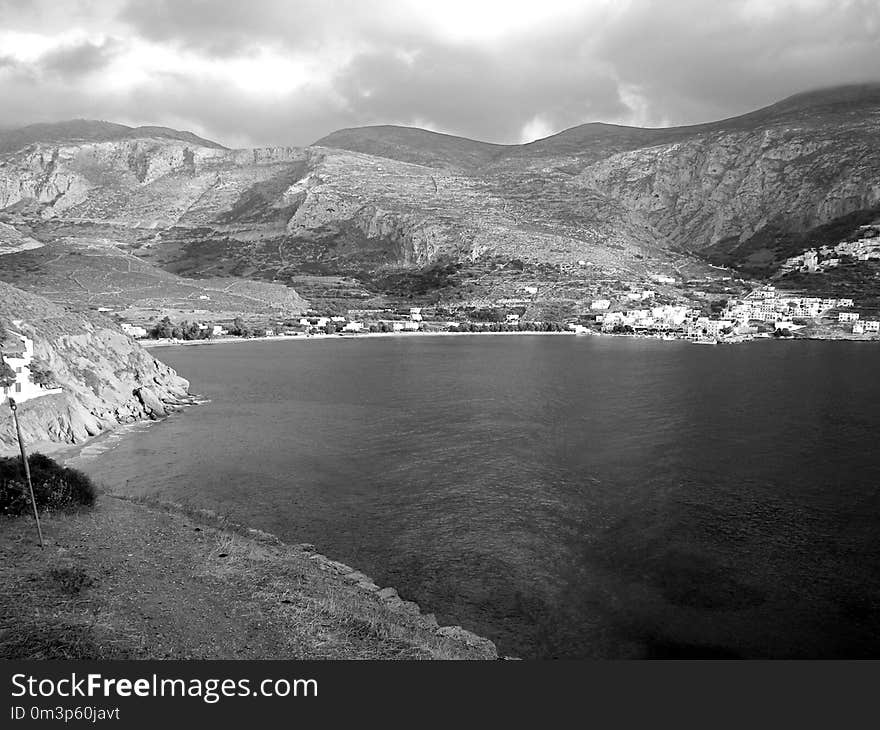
(626, 202)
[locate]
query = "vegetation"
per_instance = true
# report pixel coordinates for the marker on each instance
(7, 374)
(438, 275)
(56, 488)
(166, 329)
(41, 374)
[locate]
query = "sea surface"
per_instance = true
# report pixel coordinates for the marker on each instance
(564, 496)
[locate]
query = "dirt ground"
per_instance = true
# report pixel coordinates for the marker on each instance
(128, 580)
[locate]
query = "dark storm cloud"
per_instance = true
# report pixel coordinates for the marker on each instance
(228, 27)
(480, 93)
(695, 61)
(398, 61)
(76, 60)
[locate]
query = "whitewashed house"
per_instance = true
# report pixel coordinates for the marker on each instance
(847, 316)
(19, 356)
(600, 304)
(133, 330)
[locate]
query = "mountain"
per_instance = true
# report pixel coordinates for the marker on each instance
(381, 214)
(88, 130)
(106, 377)
(799, 163)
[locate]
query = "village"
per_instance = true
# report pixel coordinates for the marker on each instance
(760, 312)
(821, 260)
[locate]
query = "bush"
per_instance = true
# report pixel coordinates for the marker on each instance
(56, 487)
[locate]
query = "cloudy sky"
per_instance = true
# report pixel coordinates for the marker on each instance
(259, 72)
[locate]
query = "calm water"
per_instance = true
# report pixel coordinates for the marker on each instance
(567, 497)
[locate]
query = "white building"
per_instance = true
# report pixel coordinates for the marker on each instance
(218, 331)
(19, 355)
(811, 260)
(600, 304)
(847, 316)
(353, 327)
(663, 279)
(512, 318)
(871, 325)
(133, 330)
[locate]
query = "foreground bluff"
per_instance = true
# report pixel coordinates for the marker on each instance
(106, 377)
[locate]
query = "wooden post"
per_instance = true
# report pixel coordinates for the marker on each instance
(27, 468)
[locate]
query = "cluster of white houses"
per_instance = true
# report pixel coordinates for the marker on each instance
(859, 326)
(762, 305)
(18, 353)
(768, 305)
(316, 325)
(866, 248)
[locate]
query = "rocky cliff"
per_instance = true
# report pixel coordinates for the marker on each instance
(797, 164)
(107, 378)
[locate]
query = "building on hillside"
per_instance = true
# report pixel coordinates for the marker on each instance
(600, 304)
(847, 316)
(18, 353)
(858, 328)
(133, 330)
(871, 325)
(811, 260)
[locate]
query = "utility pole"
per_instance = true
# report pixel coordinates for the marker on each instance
(27, 468)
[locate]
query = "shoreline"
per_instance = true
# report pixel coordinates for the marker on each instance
(150, 344)
(411, 612)
(130, 579)
(155, 344)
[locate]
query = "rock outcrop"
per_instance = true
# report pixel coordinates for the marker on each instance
(106, 377)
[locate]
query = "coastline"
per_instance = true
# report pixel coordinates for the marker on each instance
(150, 344)
(349, 593)
(133, 580)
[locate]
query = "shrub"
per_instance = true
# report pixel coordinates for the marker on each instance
(41, 374)
(7, 374)
(56, 487)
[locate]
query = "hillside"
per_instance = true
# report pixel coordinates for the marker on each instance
(80, 131)
(106, 377)
(589, 211)
(90, 274)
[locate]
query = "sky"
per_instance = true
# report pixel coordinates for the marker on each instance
(288, 72)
